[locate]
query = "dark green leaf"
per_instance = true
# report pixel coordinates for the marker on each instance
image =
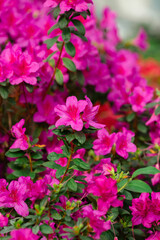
(70, 49)
(56, 12)
(79, 35)
(66, 35)
(52, 127)
(35, 229)
(142, 128)
(36, 155)
(46, 229)
(151, 105)
(80, 77)
(62, 22)
(51, 41)
(60, 172)
(56, 215)
(79, 26)
(80, 163)
(69, 64)
(29, 87)
(54, 156)
(59, 76)
(130, 117)
(14, 154)
(53, 28)
(80, 136)
(72, 185)
(128, 195)
(3, 92)
(157, 111)
(49, 57)
(138, 186)
(146, 170)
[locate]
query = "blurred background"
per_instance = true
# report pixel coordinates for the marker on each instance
(133, 14)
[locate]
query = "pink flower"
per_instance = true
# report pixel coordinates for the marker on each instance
(24, 234)
(155, 207)
(21, 139)
(141, 40)
(89, 114)
(46, 111)
(140, 97)
(70, 113)
(154, 236)
(106, 190)
(95, 221)
(66, 5)
(141, 211)
(3, 220)
(124, 144)
(15, 197)
(24, 70)
(104, 143)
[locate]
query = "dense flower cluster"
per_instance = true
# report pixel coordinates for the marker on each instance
(80, 126)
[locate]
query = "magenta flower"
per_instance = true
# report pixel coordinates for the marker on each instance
(21, 139)
(141, 40)
(24, 70)
(154, 236)
(139, 99)
(95, 221)
(25, 234)
(3, 220)
(46, 111)
(155, 207)
(141, 211)
(70, 113)
(104, 143)
(66, 5)
(106, 190)
(15, 197)
(89, 114)
(124, 144)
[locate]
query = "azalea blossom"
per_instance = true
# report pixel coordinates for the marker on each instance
(19, 133)
(23, 233)
(70, 113)
(104, 143)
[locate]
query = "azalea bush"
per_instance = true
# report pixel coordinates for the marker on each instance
(80, 126)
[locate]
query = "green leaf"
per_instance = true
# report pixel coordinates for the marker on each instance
(52, 127)
(35, 229)
(46, 229)
(138, 186)
(51, 165)
(130, 117)
(51, 41)
(151, 105)
(59, 76)
(60, 172)
(49, 57)
(80, 163)
(107, 236)
(56, 12)
(69, 64)
(80, 77)
(70, 49)
(21, 160)
(56, 215)
(79, 26)
(80, 136)
(79, 35)
(72, 185)
(66, 35)
(54, 156)
(157, 111)
(14, 154)
(62, 22)
(146, 170)
(53, 28)
(3, 92)
(36, 155)
(29, 87)
(23, 172)
(142, 128)
(128, 195)
(70, 137)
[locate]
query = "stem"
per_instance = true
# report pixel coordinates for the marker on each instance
(55, 68)
(68, 163)
(30, 161)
